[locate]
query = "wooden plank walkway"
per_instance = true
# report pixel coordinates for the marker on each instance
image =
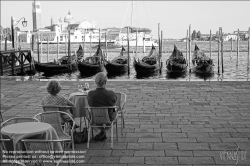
(167, 123)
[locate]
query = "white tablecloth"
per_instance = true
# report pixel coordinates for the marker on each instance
(80, 100)
(19, 131)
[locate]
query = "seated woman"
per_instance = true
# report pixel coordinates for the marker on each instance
(54, 99)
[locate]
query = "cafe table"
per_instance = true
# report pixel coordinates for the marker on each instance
(80, 101)
(25, 130)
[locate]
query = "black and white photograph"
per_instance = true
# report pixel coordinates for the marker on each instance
(125, 83)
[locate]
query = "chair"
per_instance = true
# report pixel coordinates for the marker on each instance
(47, 108)
(44, 145)
(99, 117)
(53, 118)
(18, 120)
(120, 103)
(6, 147)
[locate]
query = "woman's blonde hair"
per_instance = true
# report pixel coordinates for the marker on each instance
(54, 87)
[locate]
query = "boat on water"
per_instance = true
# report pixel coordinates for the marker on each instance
(65, 64)
(150, 63)
(92, 65)
(117, 65)
(176, 64)
(202, 63)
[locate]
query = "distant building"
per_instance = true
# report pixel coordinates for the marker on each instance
(36, 14)
(243, 35)
(227, 37)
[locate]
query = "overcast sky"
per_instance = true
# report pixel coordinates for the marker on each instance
(174, 16)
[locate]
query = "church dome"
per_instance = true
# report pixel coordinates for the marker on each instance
(68, 18)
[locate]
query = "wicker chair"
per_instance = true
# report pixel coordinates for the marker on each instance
(120, 103)
(99, 117)
(44, 145)
(53, 118)
(18, 120)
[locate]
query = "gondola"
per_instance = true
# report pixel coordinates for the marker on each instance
(176, 64)
(202, 63)
(118, 65)
(64, 64)
(149, 64)
(92, 65)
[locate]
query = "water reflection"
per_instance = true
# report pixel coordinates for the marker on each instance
(149, 75)
(204, 76)
(176, 75)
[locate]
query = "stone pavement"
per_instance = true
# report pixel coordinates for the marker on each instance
(167, 123)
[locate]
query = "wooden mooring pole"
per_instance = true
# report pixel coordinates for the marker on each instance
(57, 44)
(159, 38)
(32, 42)
(38, 56)
(41, 43)
(219, 53)
(90, 43)
(187, 45)
(47, 48)
(210, 43)
(66, 45)
(106, 46)
(5, 44)
(189, 48)
(136, 43)
(69, 49)
(83, 49)
(238, 36)
(231, 46)
(161, 43)
(248, 50)
(128, 51)
(222, 68)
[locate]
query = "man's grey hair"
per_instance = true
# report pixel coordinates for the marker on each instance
(101, 78)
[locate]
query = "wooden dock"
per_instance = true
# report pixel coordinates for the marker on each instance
(16, 62)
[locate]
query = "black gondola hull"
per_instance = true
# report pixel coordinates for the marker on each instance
(175, 68)
(204, 69)
(115, 68)
(54, 68)
(146, 68)
(87, 68)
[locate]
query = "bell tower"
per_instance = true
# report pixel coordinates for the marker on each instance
(36, 13)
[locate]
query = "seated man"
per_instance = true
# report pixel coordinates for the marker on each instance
(101, 97)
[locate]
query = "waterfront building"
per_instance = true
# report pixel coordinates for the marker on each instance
(229, 37)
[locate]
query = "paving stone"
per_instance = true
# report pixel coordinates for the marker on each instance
(223, 146)
(193, 146)
(161, 160)
(132, 160)
(206, 153)
(140, 146)
(196, 160)
(176, 153)
(158, 146)
(150, 140)
(122, 152)
(105, 160)
(165, 135)
(177, 139)
(149, 153)
(208, 139)
(98, 153)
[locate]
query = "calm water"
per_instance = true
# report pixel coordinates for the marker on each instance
(231, 70)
